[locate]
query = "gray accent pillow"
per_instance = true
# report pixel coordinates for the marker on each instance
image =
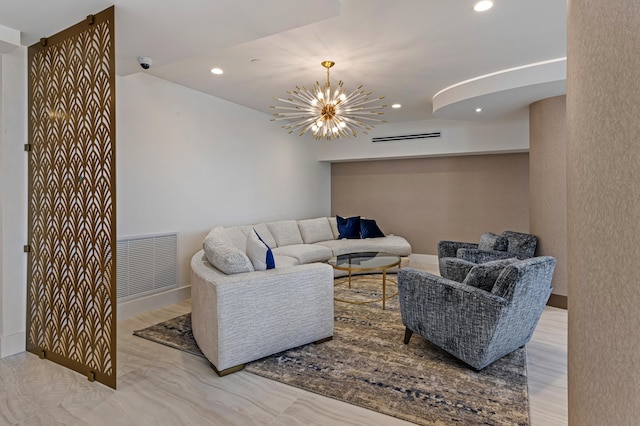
(491, 241)
(223, 255)
(484, 276)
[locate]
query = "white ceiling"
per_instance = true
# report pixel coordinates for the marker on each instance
(405, 50)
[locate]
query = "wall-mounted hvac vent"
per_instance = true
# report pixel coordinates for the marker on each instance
(146, 264)
(407, 137)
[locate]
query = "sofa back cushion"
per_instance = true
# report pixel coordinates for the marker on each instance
(333, 223)
(285, 232)
(314, 230)
(223, 255)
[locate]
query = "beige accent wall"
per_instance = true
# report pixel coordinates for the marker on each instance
(603, 186)
(548, 183)
(430, 199)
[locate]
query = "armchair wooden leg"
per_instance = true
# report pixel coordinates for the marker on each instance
(407, 335)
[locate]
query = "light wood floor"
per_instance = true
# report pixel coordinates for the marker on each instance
(158, 385)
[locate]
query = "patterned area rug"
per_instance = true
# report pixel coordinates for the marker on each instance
(367, 364)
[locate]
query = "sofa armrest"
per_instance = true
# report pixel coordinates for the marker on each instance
(242, 317)
(450, 248)
(482, 256)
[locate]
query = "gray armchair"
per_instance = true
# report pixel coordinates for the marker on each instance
(456, 259)
(490, 314)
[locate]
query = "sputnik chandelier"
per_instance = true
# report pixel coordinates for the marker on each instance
(329, 113)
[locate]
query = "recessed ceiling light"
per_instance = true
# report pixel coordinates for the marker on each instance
(483, 5)
(478, 109)
(396, 106)
(216, 71)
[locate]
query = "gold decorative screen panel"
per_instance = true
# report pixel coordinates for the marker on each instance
(71, 300)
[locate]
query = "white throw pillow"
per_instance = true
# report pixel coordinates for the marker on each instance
(223, 255)
(259, 253)
(265, 234)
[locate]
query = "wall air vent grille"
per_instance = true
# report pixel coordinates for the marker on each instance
(146, 264)
(407, 137)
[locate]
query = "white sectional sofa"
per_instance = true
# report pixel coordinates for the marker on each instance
(240, 314)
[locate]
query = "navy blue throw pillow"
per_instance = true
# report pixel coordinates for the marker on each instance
(369, 229)
(349, 227)
(270, 261)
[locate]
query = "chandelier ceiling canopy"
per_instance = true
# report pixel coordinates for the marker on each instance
(329, 112)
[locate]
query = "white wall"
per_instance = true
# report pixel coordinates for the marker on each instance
(187, 162)
(458, 138)
(13, 204)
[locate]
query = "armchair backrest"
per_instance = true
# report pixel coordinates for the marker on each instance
(521, 245)
(526, 281)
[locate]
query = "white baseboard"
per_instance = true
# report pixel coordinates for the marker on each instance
(13, 344)
(431, 259)
(152, 302)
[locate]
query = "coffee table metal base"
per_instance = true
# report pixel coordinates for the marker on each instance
(383, 299)
(362, 263)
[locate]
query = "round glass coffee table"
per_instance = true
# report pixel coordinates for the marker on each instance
(366, 262)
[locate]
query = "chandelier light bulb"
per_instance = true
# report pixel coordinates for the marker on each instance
(483, 5)
(344, 112)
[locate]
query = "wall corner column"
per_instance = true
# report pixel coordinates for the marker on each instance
(548, 187)
(603, 208)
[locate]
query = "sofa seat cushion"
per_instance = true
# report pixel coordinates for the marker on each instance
(391, 244)
(285, 261)
(285, 232)
(305, 253)
(223, 255)
(314, 230)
